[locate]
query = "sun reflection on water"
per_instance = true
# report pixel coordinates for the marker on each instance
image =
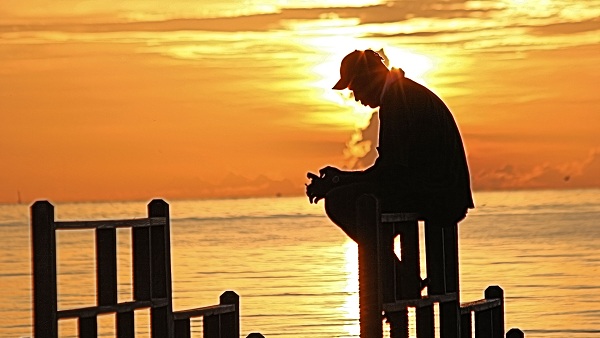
(350, 309)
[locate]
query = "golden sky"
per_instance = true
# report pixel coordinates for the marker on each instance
(141, 99)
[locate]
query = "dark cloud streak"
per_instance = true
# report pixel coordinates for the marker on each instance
(386, 13)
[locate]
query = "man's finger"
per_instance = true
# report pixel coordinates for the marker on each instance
(311, 176)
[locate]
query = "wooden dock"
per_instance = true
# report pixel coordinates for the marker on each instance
(390, 284)
(151, 265)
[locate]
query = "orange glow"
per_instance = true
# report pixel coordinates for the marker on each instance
(139, 101)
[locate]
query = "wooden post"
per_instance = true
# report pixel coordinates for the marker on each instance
(160, 239)
(43, 238)
(515, 333)
(369, 292)
(224, 325)
(231, 327)
(496, 292)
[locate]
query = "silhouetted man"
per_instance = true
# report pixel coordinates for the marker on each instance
(421, 165)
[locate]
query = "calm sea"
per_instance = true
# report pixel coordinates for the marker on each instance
(297, 275)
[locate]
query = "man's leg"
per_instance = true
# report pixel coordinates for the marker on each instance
(340, 206)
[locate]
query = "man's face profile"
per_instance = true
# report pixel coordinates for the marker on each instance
(364, 89)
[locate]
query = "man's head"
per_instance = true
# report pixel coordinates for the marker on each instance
(364, 73)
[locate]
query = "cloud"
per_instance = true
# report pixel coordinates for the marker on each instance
(384, 13)
(361, 151)
(568, 27)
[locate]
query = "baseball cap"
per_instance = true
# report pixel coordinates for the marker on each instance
(354, 63)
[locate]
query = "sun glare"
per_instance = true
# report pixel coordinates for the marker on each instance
(351, 304)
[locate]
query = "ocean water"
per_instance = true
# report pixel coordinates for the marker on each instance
(296, 273)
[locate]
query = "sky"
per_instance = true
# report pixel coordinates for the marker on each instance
(139, 99)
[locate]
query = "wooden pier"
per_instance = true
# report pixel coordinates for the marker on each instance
(390, 284)
(151, 265)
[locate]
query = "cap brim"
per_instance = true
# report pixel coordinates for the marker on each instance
(341, 84)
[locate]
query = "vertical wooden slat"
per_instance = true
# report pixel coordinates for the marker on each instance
(183, 328)
(450, 319)
(466, 325)
(434, 256)
(106, 266)
(368, 267)
(425, 321)
(483, 324)
(126, 324)
(388, 262)
(230, 327)
(88, 327)
(43, 238)
(409, 278)
(496, 292)
(441, 245)
(140, 242)
(159, 320)
(451, 258)
(160, 239)
(211, 326)
(398, 324)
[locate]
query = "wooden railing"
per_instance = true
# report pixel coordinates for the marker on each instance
(390, 284)
(151, 272)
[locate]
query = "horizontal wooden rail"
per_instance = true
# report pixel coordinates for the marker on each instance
(480, 305)
(400, 217)
(110, 224)
(204, 311)
(121, 307)
(401, 305)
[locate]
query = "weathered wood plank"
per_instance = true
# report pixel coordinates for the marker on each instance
(108, 224)
(400, 217)
(204, 311)
(479, 305)
(420, 302)
(121, 307)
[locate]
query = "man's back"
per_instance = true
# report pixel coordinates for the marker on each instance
(420, 145)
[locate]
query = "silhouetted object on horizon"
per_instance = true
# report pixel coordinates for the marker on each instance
(151, 264)
(421, 165)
